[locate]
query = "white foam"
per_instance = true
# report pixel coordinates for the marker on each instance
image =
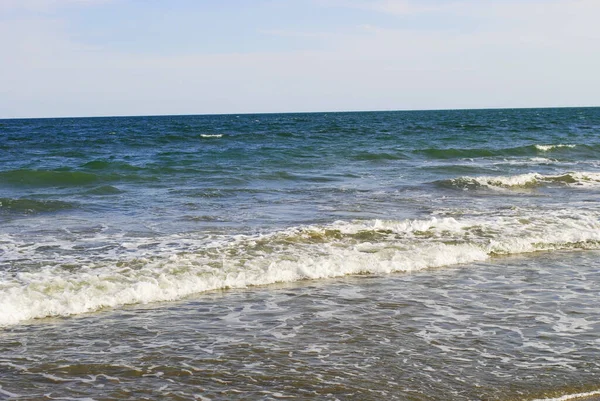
(540, 160)
(174, 271)
(8, 393)
(547, 148)
(570, 179)
(525, 162)
(211, 135)
(587, 179)
(570, 396)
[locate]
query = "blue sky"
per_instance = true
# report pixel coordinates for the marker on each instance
(143, 57)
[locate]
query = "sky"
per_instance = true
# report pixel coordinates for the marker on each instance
(160, 57)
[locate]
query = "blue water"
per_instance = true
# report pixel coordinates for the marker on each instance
(220, 164)
(101, 215)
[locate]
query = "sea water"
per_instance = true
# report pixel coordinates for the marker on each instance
(380, 255)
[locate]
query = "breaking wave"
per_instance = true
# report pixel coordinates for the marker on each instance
(547, 148)
(173, 268)
(519, 151)
(576, 396)
(520, 181)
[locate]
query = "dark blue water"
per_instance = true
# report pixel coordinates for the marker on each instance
(225, 169)
(100, 213)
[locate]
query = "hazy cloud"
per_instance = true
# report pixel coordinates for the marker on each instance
(518, 54)
(46, 5)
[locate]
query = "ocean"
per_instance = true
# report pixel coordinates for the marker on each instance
(402, 255)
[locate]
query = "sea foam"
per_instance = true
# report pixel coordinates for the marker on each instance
(299, 253)
(529, 180)
(578, 396)
(547, 148)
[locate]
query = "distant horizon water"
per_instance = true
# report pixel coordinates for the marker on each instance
(225, 113)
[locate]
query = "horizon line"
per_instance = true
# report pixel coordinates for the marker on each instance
(299, 112)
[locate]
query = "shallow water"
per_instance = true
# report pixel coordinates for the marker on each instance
(393, 255)
(517, 328)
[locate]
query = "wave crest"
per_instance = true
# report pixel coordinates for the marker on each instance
(314, 252)
(547, 148)
(29, 206)
(47, 177)
(518, 151)
(523, 181)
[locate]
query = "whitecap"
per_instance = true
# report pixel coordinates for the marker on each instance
(570, 396)
(172, 272)
(529, 180)
(547, 148)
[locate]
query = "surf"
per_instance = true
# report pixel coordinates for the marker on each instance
(183, 267)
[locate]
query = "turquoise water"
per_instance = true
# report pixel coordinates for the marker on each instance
(380, 255)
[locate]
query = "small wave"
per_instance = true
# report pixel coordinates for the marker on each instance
(47, 177)
(284, 175)
(211, 135)
(165, 271)
(109, 165)
(202, 218)
(531, 161)
(567, 397)
(456, 168)
(104, 190)
(8, 393)
(455, 153)
(519, 151)
(71, 178)
(522, 181)
(547, 148)
(369, 156)
(29, 206)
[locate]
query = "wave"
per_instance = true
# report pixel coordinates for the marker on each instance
(165, 271)
(104, 190)
(547, 148)
(576, 396)
(109, 165)
(30, 206)
(520, 151)
(211, 135)
(47, 177)
(532, 161)
(70, 178)
(456, 153)
(372, 156)
(285, 175)
(522, 181)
